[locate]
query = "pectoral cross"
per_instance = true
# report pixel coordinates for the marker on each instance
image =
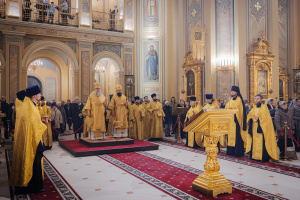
(257, 6)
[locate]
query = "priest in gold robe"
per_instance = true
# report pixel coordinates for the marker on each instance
(157, 115)
(95, 108)
(47, 136)
(137, 115)
(110, 119)
(212, 103)
(193, 140)
(119, 109)
(238, 136)
(261, 138)
(27, 164)
(147, 124)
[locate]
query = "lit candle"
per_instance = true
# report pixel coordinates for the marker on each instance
(229, 103)
(45, 109)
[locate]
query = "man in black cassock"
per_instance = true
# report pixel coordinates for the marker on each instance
(77, 117)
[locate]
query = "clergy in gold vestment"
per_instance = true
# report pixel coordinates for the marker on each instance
(238, 136)
(211, 103)
(193, 140)
(147, 125)
(27, 168)
(119, 109)
(261, 140)
(95, 108)
(47, 136)
(157, 114)
(137, 115)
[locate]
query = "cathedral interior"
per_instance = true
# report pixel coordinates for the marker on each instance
(201, 46)
(174, 48)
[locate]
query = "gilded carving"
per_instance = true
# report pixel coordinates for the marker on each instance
(260, 63)
(220, 127)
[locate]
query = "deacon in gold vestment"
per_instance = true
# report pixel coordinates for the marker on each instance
(95, 108)
(137, 115)
(119, 109)
(213, 104)
(157, 115)
(238, 135)
(146, 119)
(47, 136)
(261, 140)
(27, 167)
(110, 119)
(193, 140)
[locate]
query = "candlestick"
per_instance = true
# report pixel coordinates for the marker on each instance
(45, 109)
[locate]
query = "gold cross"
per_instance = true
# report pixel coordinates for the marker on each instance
(194, 12)
(257, 6)
(280, 8)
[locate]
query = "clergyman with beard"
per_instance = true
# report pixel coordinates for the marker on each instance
(261, 138)
(237, 136)
(95, 109)
(119, 110)
(156, 111)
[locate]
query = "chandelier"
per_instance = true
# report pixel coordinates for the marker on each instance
(34, 65)
(99, 69)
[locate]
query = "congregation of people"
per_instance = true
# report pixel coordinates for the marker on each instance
(257, 132)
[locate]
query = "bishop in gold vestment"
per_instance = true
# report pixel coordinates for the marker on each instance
(47, 136)
(157, 114)
(137, 115)
(261, 138)
(211, 103)
(238, 136)
(193, 140)
(95, 108)
(27, 167)
(119, 109)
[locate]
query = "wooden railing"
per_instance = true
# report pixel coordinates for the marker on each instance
(108, 21)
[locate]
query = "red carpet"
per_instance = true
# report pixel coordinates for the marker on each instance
(163, 175)
(50, 191)
(279, 167)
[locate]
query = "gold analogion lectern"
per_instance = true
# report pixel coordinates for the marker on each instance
(212, 124)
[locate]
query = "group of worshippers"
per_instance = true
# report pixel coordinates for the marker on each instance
(125, 119)
(256, 131)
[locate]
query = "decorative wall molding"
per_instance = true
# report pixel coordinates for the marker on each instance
(72, 45)
(1, 41)
(224, 5)
(85, 46)
(29, 41)
(98, 47)
(61, 31)
(258, 9)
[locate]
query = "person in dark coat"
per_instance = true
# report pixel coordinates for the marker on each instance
(11, 114)
(295, 115)
(282, 115)
(77, 118)
(68, 113)
(4, 109)
(168, 118)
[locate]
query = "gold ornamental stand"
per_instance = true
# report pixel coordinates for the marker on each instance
(212, 124)
(286, 158)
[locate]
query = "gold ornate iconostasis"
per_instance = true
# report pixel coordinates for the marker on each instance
(194, 65)
(283, 85)
(260, 63)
